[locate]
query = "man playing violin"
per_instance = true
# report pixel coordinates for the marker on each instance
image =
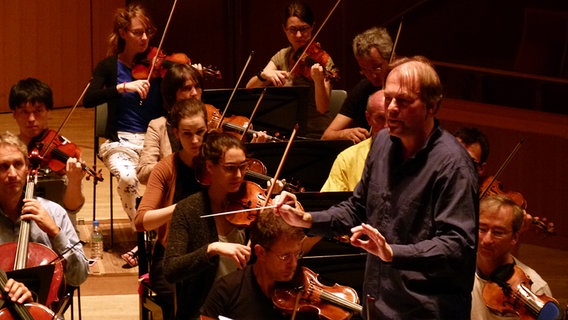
(247, 293)
(500, 224)
(50, 224)
(372, 49)
(30, 101)
(477, 145)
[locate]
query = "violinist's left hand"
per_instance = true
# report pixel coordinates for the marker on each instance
(278, 187)
(17, 291)
(376, 244)
(74, 170)
(33, 210)
(259, 136)
(317, 73)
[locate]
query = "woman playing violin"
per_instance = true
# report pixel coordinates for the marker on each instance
(114, 84)
(30, 101)
(247, 293)
(298, 24)
(500, 223)
(200, 250)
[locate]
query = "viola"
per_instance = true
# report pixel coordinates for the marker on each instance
(141, 69)
(491, 186)
(234, 124)
(24, 254)
(509, 293)
(54, 150)
(27, 311)
(312, 55)
(305, 293)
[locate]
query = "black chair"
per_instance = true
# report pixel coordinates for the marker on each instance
(101, 113)
(149, 307)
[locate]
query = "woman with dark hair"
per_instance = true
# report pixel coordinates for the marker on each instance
(180, 82)
(298, 24)
(200, 250)
(171, 180)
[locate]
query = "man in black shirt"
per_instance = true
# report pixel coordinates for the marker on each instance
(372, 50)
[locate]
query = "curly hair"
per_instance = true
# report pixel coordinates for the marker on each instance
(375, 37)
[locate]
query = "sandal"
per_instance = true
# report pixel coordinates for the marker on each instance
(131, 258)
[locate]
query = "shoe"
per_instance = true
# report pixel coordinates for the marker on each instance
(131, 258)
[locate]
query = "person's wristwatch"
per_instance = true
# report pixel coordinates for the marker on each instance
(259, 76)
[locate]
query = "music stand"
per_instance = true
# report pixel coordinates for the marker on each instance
(37, 279)
(308, 161)
(279, 111)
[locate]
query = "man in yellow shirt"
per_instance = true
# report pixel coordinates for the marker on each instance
(348, 166)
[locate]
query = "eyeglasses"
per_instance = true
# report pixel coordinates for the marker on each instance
(495, 233)
(366, 71)
(294, 30)
(233, 168)
(288, 256)
(139, 32)
(476, 164)
(37, 111)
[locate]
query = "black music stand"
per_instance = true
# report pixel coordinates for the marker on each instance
(279, 111)
(308, 161)
(37, 279)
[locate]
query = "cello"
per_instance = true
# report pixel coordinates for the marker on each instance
(27, 311)
(24, 254)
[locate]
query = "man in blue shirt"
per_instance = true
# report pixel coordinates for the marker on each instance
(415, 209)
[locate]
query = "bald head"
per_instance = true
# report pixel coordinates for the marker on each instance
(375, 112)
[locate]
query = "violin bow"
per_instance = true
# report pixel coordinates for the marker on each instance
(234, 90)
(252, 114)
(66, 119)
(313, 38)
(161, 42)
(391, 56)
(503, 166)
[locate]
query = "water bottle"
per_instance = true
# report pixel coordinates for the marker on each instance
(96, 242)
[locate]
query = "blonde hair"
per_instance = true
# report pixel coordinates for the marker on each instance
(10, 139)
(122, 20)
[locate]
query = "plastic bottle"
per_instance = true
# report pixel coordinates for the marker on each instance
(96, 242)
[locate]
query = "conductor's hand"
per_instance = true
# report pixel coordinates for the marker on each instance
(292, 215)
(375, 244)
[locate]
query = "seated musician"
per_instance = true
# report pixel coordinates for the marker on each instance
(17, 292)
(372, 49)
(50, 224)
(500, 223)
(348, 166)
(477, 145)
(247, 293)
(30, 101)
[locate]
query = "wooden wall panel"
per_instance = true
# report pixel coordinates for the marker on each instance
(46, 40)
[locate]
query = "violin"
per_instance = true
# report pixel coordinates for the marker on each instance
(234, 124)
(509, 293)
(141, 69)
(54, 150)
(24, 254)
(312, 55)
(26, 311)
(304, 293)
(492, 186)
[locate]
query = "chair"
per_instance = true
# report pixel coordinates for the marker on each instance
(101, 114)
(336, 101)
(149, 306)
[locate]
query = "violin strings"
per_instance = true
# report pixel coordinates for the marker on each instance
(336, 299)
